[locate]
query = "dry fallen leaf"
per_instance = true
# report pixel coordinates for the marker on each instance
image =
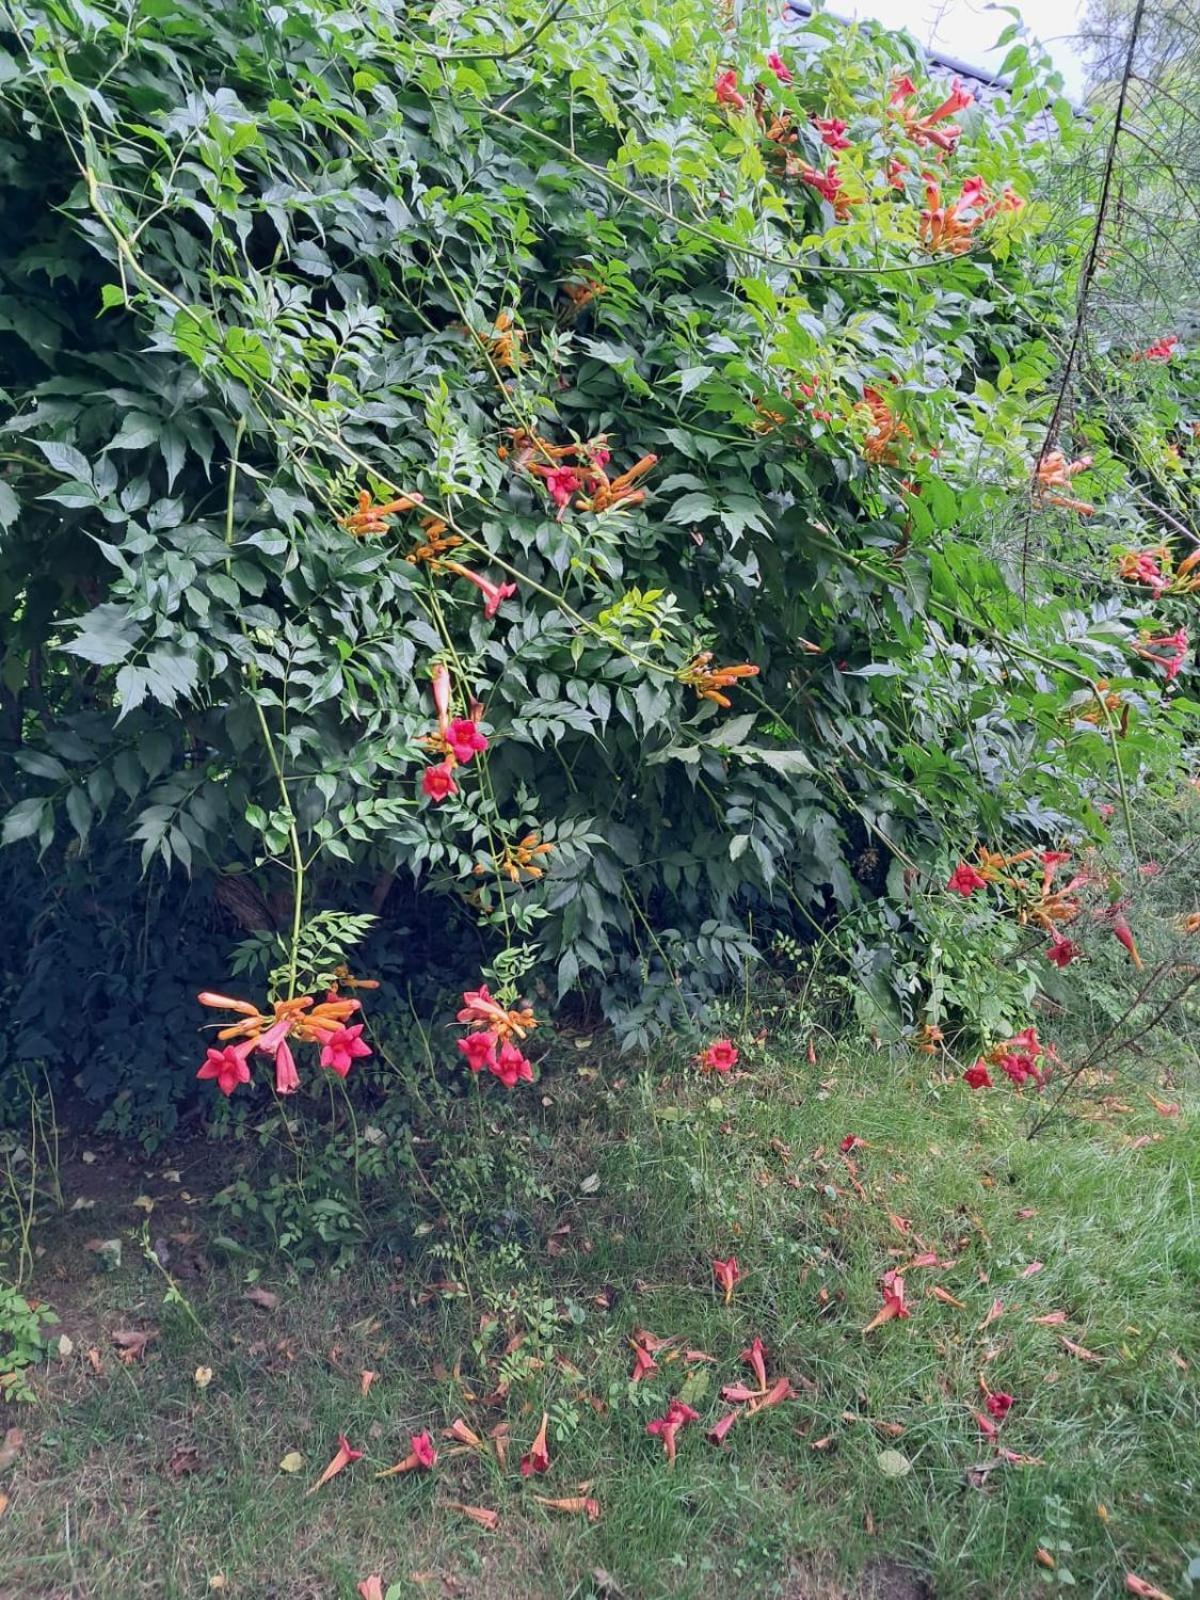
(132, 1342)
(371, 1588)
(368, 1378)
(184, 1459)
(994, 1313)
(14, 1441)
(1044, 1559)
(292, 1462)
(1051, 1319)
(1078, 1350)
(202, 1377)
(1034, 1266)
(263, 1298)
(1147, 1591)
(485, 1518)
(144, 1203)
(576, 1505)
(3, 1504)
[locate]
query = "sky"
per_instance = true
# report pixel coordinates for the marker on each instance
(967, 28)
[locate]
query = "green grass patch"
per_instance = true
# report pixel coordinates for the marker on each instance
(135, 1481)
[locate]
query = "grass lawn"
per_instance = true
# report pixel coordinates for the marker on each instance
(876, 1479)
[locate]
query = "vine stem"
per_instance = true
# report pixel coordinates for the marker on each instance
(293, 832)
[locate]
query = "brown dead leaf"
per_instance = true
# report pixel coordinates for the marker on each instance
(185, 1458)
(132, 1342)
(1044, 1559)
(480, 1514)
(821, 1444)
(3, 1504)
(14, 1442)
(371, 1588)
(94, 1360)
(262, 1298)
(1147, 1591)
(1078, 1350)
(1034, 1266)
(995, 1312)
(572, 1505)
(368, 1378)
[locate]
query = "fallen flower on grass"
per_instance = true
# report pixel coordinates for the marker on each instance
(678, 1413)
(371, 1588)
(465, 1436)
(368, 1378)
(643, 1362)
(987, 1427)
(1050, 1320)
(999, 1404)
(756, 1359)
(727, 1274)
(893, 1301)
(572, 1505)
(538, 1457)
(1034, 1266)
(480, 1514)
(851, 1142)
(1139, 1586)
(345, 1455)
(716, 1434)
(421, 1455)
(944, 1295)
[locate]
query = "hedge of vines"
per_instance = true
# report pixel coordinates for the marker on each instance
(573, 488)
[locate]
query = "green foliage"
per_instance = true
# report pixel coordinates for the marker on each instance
(22, 1342)
(393, 249)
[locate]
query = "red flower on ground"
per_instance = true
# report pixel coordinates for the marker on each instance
(965, 879)
(345, 1455)
(538, 1457)
(643, 1363)
(727, 1274)
(978, 1076)
(438, 782)
(479, 1049)
(228, 1066)
(720, 1056)
(716, 1434)
(999, 1405)
(510, 1066)
(342, 1048)
(666, 1427)
(421, 1455)
(894, 1303)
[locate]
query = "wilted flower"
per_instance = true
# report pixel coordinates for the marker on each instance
(999, 1404)
(538, 1457)
(727, 1274)
(666, 1427)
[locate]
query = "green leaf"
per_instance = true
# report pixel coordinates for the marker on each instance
(79, 811)
(24, 820)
